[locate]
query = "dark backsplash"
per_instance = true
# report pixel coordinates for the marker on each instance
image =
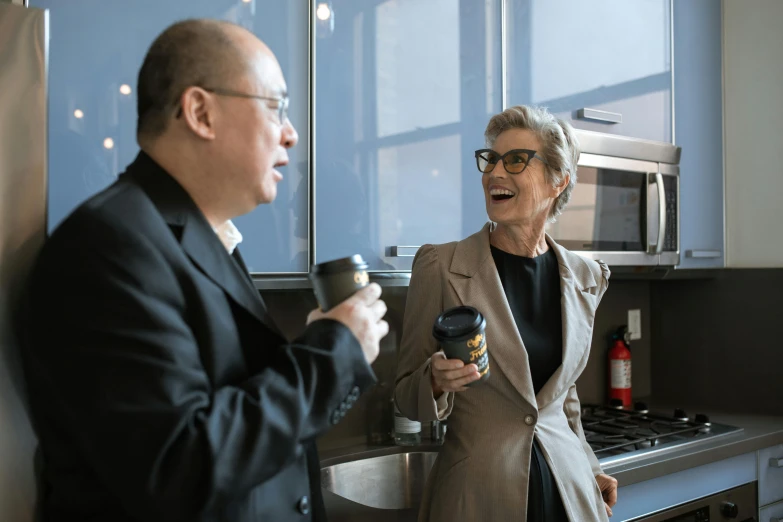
(716, 346)
(371, 418)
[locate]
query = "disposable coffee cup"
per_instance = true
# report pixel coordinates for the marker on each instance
(337, 280)
(460, 333)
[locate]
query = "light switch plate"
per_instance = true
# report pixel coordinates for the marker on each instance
(635, 324)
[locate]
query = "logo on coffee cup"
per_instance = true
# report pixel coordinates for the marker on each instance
(478, 352)
(361, 278)
(476, 341)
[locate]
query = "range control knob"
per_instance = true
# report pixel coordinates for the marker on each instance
(729, 509)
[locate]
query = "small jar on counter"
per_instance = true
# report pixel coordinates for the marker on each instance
(406, 431)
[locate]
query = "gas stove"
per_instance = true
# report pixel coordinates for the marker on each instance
(618, 434)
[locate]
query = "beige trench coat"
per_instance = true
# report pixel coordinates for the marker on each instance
(481, 473)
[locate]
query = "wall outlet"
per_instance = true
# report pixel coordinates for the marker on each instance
(635, 324)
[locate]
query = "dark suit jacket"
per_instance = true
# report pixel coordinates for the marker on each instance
(158, 388)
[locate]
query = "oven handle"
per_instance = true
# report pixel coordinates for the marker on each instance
(661, 217)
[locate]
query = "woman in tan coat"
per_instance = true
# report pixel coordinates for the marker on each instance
(514, 448)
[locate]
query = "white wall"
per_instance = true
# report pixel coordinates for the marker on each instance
(753, 110)
(22, 232)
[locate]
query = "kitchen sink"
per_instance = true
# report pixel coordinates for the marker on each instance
(386, 488)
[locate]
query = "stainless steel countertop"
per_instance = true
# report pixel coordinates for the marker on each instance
(758, 432)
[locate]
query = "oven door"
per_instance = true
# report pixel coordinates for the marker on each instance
(622, 211)
(734, 504)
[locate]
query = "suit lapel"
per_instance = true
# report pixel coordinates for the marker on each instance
(577, 305)
(475, 279)
(207, 252)
(197, 238)
(268, 320)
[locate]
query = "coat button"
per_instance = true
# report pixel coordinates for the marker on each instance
(344, 408)
(355, 392)
(304, 505)
(336, 417)
(530, 420)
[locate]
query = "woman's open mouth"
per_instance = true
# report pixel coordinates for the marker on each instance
(500, 195)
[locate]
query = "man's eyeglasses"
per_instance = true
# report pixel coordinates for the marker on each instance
(514, 161)
(282, 102)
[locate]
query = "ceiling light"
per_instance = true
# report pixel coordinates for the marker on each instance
(323, 12)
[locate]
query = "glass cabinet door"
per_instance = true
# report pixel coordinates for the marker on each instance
(96, 51)
(404, 90)
(604, 65)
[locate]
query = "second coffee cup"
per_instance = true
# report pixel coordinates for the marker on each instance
(337, 280)
(460, 331)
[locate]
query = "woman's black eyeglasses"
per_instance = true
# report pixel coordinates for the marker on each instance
(514, 161)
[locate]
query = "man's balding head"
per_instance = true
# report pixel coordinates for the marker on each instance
(188, 53)
(212, 102)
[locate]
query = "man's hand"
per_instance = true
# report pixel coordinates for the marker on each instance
(608, 486)
(363, 314)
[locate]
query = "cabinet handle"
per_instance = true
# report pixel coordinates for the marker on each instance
(776, 462)
(403, 251)
(597, 115)
(703, 254)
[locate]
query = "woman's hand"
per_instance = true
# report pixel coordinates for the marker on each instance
(451, 375)
(608, 486)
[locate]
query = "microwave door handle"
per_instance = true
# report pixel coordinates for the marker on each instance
(661, 213)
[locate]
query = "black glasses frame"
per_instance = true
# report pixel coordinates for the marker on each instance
(502, 157)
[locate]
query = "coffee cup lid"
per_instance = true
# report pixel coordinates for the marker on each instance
(456, 322)
(354, 262)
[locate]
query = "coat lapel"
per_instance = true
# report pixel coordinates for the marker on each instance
(578, 303)
(207, 252)
(196, 236)
(475, 279)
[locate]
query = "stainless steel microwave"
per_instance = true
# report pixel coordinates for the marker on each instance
(624, 208)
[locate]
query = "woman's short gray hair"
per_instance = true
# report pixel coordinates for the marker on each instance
(559, 143)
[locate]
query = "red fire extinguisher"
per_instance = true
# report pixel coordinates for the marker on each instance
(620, 367)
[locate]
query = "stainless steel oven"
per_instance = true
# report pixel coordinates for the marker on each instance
(625, 206)
(738, 504)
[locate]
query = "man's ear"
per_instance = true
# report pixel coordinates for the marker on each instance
(198, 112)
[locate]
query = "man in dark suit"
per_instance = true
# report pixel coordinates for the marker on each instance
(159, 387)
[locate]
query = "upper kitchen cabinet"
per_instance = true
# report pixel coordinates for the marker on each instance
(698, 109)
(96, 51)
(404, 90)
(753, 74)
(604, 65)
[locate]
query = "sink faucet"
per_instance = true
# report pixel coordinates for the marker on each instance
(438, 431)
